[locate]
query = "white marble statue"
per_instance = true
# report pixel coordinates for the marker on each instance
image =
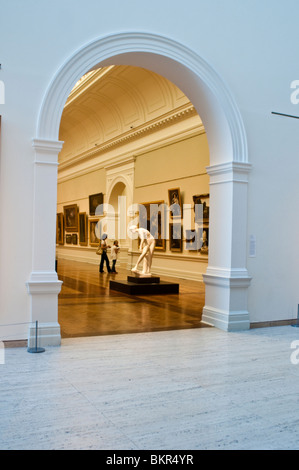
(147, 247)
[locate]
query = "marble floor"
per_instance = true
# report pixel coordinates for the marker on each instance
(170, 390)
(88, 307)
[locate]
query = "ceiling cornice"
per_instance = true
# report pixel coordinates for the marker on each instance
(180, 114)
(86, 82)
(95, 164)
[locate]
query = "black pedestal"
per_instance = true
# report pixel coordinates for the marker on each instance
(144, 286)
(144, 280)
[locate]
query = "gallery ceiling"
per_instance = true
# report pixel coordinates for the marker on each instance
(116, 102)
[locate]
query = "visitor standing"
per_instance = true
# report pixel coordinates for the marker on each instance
(114, 254)
(104, 256)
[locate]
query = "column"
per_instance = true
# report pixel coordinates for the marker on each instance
(227, 279)
(43, 285)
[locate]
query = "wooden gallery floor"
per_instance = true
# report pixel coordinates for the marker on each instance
(87, 307)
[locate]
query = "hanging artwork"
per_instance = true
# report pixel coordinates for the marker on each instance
(68, 238)
(203, 199)
(152, 216)
(83, 233)
(175, 237)
(93, 232)
(71, 218)
(59, 229)
(96, 200)
(204, 250)
(175, 203)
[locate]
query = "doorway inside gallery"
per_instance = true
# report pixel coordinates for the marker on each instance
(132, 141)
(226, 279)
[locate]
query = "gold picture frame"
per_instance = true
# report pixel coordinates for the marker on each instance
(83, 229)
(71, 218)
(59, 229)
(68, 238)
(96, 200)
(175, 202)
(175, 237)
(154, 224)
(92, 228)
(204, 200)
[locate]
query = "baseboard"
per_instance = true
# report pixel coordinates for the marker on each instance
(266, 324)
(22, 343)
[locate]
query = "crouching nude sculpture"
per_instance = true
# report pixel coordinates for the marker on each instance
(147, 247)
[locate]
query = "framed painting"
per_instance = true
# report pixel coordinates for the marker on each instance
(59, 229)
(68, 238)
(204, 249)
(203, 199)
(71, 218)
(94, 236)
(83, 230)
(96, 200)
(198, 240)
(175, 202)
(75, 239)
(152, 216)
(175, 237)
(192, 240)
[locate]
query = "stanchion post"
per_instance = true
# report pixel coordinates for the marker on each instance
(36, 349)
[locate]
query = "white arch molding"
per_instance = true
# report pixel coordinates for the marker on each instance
(121, 205)
(227, 279)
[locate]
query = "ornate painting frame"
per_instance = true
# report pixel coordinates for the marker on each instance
(95, 200)
(175, 201)
(83, 229)
(175, 242)
(60, 228)
(93, 239)
(71, 218)
(152, 225)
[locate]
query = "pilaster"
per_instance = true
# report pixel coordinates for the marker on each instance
(43, 285)
(227, 279)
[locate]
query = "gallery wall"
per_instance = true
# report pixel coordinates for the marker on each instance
(180, 165)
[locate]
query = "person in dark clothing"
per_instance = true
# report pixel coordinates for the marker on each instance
(104, 256)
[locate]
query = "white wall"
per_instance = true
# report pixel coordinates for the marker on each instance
(251, 44)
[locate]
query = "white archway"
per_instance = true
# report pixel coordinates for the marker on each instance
(117, 198)
(227, 279)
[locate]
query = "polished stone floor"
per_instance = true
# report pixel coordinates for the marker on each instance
(88, 307)
(170, 390)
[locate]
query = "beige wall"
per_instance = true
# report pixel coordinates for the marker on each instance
(77, 190)
(181, 164)
(180, 160)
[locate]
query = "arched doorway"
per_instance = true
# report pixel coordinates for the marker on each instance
(119, 191)
(227, 279)
(120, 197)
